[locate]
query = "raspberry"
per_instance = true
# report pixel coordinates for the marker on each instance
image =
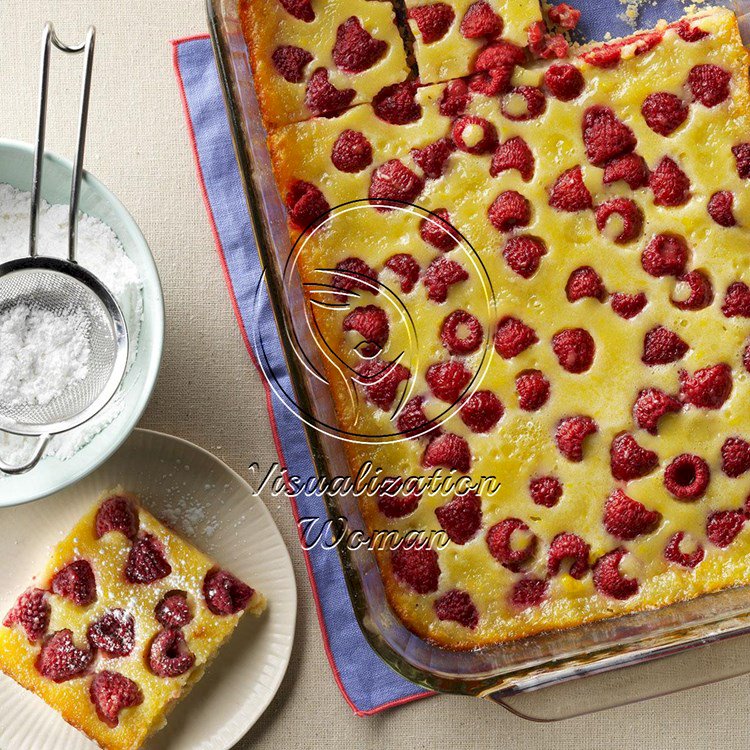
(574, 349)
(674, 553)
(305, 204)
(461, 518)
(397, 104)
(173, 609)
(605, 136)
(406, 268)
(355, 50)
(110, 692)
(291, 62)
(499, 54)
(628, 460)
(113, 633)
(394, 501)
(417, 567)
(565, 82)
(457, 606)
(168, 654)
(627, 306)
(354, 274)
(629, 213)
(564, 16)
(664, 112)
(116, 513)
(670, 185)
(474, 135)
(440, 275)
(650, 406)
(742, 158)
(606, 56)
(665, 255)
(689, 33)
(431, 159)
(461, 333)
(546, 491)
(371, 323)
(146, 562)
(534, 100)
(735, 457)
(631, 169)
(448, 451)
(513, 154)
(570, 547)
(701, 293)
(412, 419)
(510, 209)
(687, 477)
(224, 593)
(746, 358)
(533, 390)
(482, 411)
(454, 98)
(513, 337)
(75, 582)
(300, 9)
(523, 254)
(492, 82)
(380, 381)
(662, 347)
(546, 46)
(709, 84)
(481, 21)
(569, 193)
(737, 301)
(707, 388)
(500, 543)
(570, 434)
(32, 612)
(722, 527)
(721, 208)
(585, 282)
(322, 97)
(393, 181)
(448, 380)
(528, 592)
(433, 21)
(352, 152)
(61, 660)
(437, 231)
(607, 577)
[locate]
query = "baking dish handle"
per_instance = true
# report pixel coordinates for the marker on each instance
(41, 446)
(742, 9)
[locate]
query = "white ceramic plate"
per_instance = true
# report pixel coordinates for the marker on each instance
(224, 518)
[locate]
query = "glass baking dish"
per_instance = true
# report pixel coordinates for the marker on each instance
(656, 652)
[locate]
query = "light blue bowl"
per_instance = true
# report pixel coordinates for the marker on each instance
(53, 474)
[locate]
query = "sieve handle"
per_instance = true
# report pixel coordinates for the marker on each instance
(41, 446)
(49, 38)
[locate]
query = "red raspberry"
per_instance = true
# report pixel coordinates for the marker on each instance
(397, 104)
(650, 406)
(523, 254)
(570, 547)
(630, 214)
(61, 660)
(393, 499)
(146, 562)
(721, 208)
(688, 32)
(354, 274)
(662, 347)
(116, 513)
(606, 56)
(665, 255)
(436, 230)
(565, 82)
(585, 282)
(631, 169)
(474, 135)
(393, 181)
(406, 268)
(569, 193)
(291, 62)
(113, 633)
(737, 301)
(687, 477)
(482, 411)
(746, 357)
(416, 566)
(448, 380)
(76, 582)
(31, 611)
(461, 333)
(513, 154)
(431, 159)
(440, 275)
(605, 136)
(628, 305)
(481, 21)
(664, 112)
(433, 21)
(510, 209)
(528, 592)
(492, 82)
(305, 204)
(412, 420)
(322, 97)
(534, 99)
(707, 388)
(300, 9)
(224, 593)
(709, 84)
(499, 541)
(454, 98)
(168, 654)
(351, 152)
(670, 185)
(448, 451)
(457, 606)
(173, 609)
(722, 527)
(570, 434)
(742, 158)
(564, 16)
(499, 54)
(533, 390)
(380, 381)
(674, 553)
(701, 293)
(461, 518)
(513, 337)
(574, 349)
(735, 457)
(546, 491)
(371, 323)
(607, 577)
(628, 460)
(546, 46)
(110, 692)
